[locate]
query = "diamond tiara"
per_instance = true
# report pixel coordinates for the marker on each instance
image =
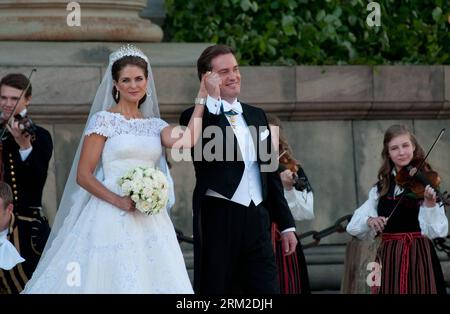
(127, 50)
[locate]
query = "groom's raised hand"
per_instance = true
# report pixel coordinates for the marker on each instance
(212, 84)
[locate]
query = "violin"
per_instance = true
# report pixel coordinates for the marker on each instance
(288, 162)
(415, 180)
(25, 124)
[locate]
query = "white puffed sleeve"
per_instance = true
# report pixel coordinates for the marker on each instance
(358, 224)
(433, 221)
(161, 124)
(301, 204)
(100, 123)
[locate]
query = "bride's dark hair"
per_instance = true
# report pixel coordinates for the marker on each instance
(120, 64)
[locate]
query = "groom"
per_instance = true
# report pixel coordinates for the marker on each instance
(232, 249)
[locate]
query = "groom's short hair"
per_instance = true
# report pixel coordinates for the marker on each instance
(204, 61)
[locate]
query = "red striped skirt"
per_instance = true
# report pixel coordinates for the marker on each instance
(406, 261)
(292, 273)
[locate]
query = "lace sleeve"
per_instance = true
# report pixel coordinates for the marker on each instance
(99, 124)
(160, 124)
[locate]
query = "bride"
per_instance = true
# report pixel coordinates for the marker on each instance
(99, 242)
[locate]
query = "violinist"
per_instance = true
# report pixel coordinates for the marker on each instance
(406, 218)
(292, 270)
(24, 163)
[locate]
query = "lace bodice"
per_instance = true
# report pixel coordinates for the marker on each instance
(110, 124)
(129, 143)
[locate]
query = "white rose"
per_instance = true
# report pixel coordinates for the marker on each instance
(137, 186)
(160, 177)
(148, 172)
(147, 192)
(148, 182)
(126, 187)
(135, 198)
(129, 174)
(138, 174)
(144, 207)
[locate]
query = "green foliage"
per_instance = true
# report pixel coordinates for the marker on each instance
(287, 32)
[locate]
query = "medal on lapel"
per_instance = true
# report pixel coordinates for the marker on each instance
(232, 116)
(233, 119)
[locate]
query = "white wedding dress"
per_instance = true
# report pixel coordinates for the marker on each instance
(109, 250)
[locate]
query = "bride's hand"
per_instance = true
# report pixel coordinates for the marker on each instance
(126, 204)
(202, 91)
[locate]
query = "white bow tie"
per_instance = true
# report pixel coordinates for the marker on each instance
(235, 106)
(9, 257)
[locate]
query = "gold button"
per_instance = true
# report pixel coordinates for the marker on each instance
(12, 167)
(14, 186)
(15, 198)
(10, 155)
(15, 192)
(12, 173)
(10, 160)
(13, 179)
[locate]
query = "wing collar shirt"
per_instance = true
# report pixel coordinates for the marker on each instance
(249, 188)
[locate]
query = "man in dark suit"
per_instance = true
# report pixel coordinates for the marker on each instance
(25, 156)
(20, 244)
(236, 183)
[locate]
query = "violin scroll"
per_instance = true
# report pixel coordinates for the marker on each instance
(26, 125)
(287, 162)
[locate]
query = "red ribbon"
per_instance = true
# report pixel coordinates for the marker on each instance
(407, 239)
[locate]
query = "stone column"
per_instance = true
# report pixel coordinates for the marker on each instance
(155, 11)
(100, 20)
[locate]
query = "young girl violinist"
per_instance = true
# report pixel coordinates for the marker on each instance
(407, 261)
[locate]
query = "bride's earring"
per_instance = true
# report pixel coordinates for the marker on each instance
(149, 93)
(117, 93)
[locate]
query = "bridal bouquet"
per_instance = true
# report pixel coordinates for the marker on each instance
(147, 187)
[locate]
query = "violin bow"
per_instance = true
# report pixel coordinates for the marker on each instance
(418, 169)
(429, 151)
(282, 154)
(17, 102)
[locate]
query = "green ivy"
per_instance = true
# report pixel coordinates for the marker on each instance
(288, 32)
